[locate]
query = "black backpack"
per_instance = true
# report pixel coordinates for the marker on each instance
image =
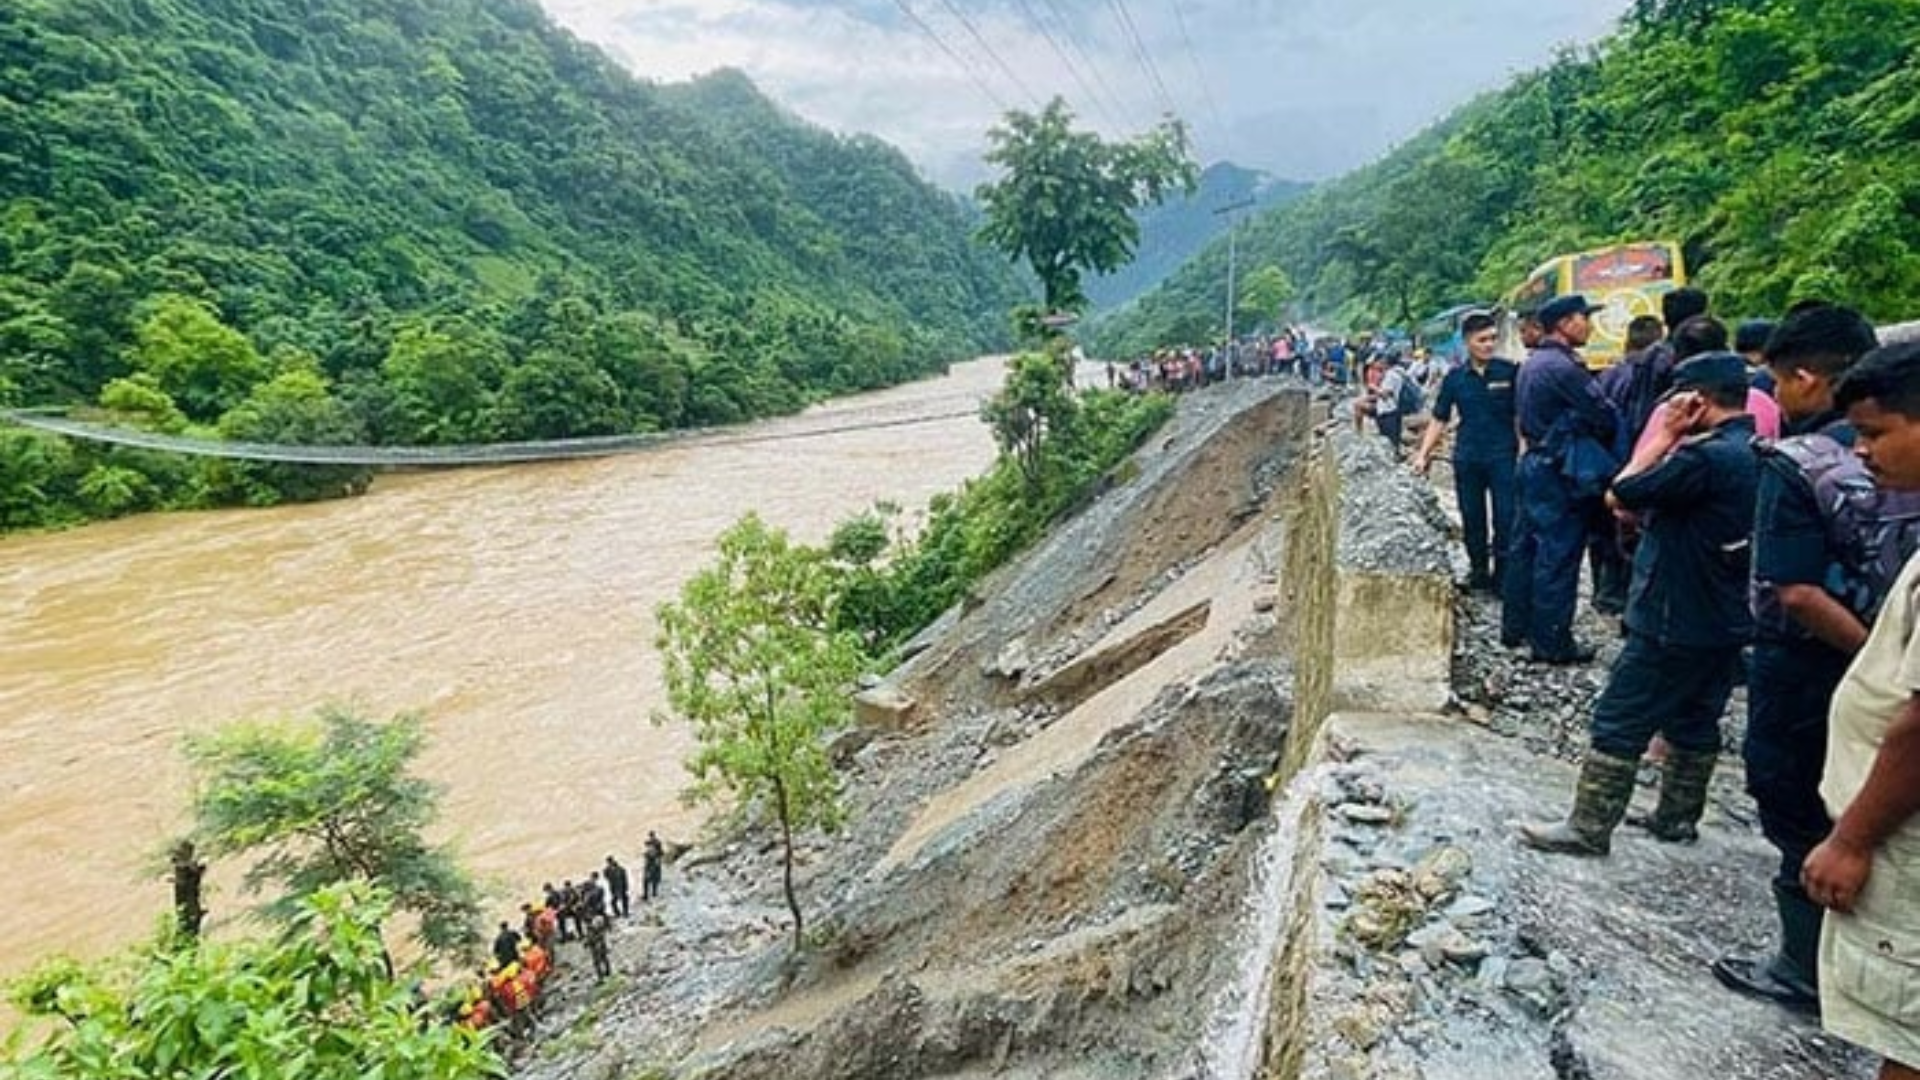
(1873, 530)
(1411, 398)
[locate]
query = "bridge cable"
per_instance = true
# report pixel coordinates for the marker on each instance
(447, 457)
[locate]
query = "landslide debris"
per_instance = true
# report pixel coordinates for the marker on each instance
(1053, 826)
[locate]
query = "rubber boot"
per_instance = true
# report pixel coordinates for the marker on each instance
(1791, 976)
(1599, 802)
(1684, 777)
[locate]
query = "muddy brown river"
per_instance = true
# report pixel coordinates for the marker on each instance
(512, 606)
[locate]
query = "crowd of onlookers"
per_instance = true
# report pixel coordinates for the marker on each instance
(1746, 501)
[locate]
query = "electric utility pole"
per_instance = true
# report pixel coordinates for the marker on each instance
(1233, 258)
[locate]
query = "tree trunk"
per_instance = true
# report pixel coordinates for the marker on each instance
(786, 836)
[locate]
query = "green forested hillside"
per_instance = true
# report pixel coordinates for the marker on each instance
(899, 235)
(408, 221)
(1775, 138)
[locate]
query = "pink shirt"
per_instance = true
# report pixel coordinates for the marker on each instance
(1764, 410)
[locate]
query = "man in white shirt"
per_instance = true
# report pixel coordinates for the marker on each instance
(1867, 873)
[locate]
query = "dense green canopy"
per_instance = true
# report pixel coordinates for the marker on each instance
(1773, 138)
(458, 220)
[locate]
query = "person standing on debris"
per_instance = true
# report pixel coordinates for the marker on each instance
(1866, 873)
(595, 933)
(1560, 413)
(1388, 401)
(1807, 628)
(1484, 448)
(1687, 617)
(617, 884)
(506, 945)
(653, 855)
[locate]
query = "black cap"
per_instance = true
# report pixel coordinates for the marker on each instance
(1561, 307)
(1711, 371)
(1752, 335)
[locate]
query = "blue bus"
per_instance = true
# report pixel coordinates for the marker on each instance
(1440, 334)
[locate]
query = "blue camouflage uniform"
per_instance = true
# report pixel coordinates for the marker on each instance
(1555, 400)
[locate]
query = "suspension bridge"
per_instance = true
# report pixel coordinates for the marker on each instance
(454, 457)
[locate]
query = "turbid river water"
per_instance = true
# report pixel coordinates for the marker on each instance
(512, 606)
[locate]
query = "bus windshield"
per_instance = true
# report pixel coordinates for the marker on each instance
(1626, 280)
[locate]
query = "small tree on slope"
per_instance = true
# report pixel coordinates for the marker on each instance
(752, 662)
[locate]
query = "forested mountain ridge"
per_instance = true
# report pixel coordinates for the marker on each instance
(425, 221)
(898, 232)
(1175, 231)
(1774, 138)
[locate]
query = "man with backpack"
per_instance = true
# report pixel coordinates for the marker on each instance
(1866, 874)
(1825, 547)
(1397, 397)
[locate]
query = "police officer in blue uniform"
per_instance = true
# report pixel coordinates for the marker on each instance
(1484, 447)
(1556, 404)
(1805, 635)
(1692, 483)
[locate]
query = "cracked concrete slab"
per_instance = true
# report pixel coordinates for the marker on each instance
(1593, 969)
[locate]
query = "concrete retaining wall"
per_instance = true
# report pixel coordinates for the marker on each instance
(1393, 640)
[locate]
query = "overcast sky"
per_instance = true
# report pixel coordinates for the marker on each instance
(1302, 88)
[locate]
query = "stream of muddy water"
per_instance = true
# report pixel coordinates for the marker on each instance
(511, 606)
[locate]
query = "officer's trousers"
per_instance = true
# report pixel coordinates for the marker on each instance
(1608, 562)
(1541, 584)
(1476, 485)
(1789, 688)
(1672, 690)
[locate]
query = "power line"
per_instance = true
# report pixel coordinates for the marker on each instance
(1132, 33)
(1066, 61)
(993, 55)
(967, 68)
(1073, 43)
(1193, 56)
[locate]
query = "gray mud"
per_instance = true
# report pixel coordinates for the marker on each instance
(1048, 857)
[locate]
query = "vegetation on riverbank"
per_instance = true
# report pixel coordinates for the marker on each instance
(315, 1000)
(1772, 138)
(405, 224)
(896, 589)
(332, 817)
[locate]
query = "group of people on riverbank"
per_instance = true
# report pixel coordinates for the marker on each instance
(1749, 503)
(509, 989)
(1291, 350)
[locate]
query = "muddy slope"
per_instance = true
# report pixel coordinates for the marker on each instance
(1049, 852)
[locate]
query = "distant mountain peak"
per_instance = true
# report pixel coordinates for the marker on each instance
(1178, 229)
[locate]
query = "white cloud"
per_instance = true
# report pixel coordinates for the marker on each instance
(1304, 88)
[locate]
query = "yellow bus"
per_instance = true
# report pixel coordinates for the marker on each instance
(1628, 279)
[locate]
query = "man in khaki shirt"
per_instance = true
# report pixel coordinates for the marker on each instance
(1867, 873)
